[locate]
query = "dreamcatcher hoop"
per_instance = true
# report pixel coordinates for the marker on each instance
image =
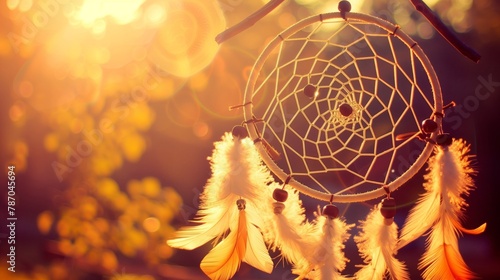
(347, 18)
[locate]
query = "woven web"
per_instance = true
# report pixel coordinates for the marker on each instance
(383, 83)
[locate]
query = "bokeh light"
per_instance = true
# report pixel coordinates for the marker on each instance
(184, 43)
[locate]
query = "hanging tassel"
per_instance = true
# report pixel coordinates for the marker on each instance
(447, 180)
(243, 243)
(326, 258)
(285, 216)
(377, 244)
(237, 173)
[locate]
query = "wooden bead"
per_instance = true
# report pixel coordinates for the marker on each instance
(388, 209)
(429, 126)
(331, 211)
(344, 6)
(310, 91)
(444, 139)
(388, 222)
(278, 207)
(240, 132)
(241, 203)
(345, 110)
(280, 195)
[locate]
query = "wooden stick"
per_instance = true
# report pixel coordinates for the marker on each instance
(247, 22)
(445, 31)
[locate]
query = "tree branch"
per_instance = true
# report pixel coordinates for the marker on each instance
(445, 31)
(247, 22)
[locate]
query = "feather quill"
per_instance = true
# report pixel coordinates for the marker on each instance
(377, 245)
(448, 180)
(325, 259)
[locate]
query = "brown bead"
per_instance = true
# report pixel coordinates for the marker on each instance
(444, 139)
(310, 90)
(241, 203)
(240, 132)
(280, 195)
(429, 126)
(388, 209)
(388, 222)
(331, 211)
(344, 6)
(345, 110)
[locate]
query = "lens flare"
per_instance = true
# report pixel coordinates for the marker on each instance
(185, 41)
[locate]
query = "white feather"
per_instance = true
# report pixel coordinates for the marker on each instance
(237, 172)
(377, 245)
(326, 259)
(282, 229)
(236, 169)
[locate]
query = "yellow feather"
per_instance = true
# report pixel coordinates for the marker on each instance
(442, 259)
(256, 253)
(224, 259)
(450, 178)
(425, 212)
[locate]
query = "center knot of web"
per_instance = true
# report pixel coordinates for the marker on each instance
(340, 117)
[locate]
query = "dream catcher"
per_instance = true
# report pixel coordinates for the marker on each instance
(342, 107)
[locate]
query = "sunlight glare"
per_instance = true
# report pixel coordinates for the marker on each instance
(122, 12)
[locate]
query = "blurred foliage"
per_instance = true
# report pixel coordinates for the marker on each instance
(102, 223)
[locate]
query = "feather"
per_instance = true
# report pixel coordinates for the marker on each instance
(326, 259)
(442, 259)
(257, 254)
(210, 223)
(422, 215)
(237, 172)
(377, 245)
(236, 169)
(243, 243)
(224, 259)
(238, 175)
(449, 179)
(283, 221)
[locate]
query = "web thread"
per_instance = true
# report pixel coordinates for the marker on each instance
(368, 87)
